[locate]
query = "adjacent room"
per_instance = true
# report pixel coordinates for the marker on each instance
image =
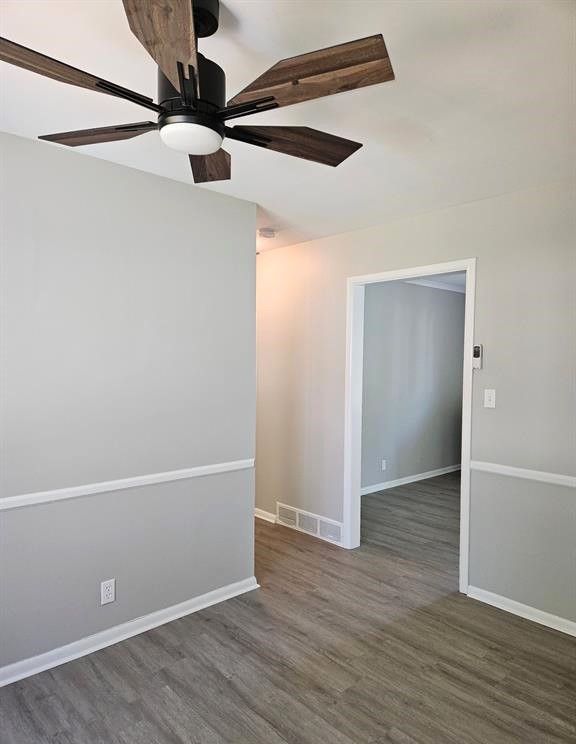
(287, 372)
(412, 385)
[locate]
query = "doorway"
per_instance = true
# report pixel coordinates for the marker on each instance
(355, 391)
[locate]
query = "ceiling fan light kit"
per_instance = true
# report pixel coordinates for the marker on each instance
(192, 109)
(191, 137)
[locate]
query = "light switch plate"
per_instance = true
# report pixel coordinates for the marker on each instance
(489, 398)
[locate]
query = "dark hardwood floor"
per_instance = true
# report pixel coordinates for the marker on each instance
(337, 647)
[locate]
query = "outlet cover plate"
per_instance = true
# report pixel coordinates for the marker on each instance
(107, 591)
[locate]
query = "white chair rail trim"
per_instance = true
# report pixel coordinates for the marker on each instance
(43, 497)
(556, 479)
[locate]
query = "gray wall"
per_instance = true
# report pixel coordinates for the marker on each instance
(412, 386)
(525, 317)
(523, 541)
(127, 349)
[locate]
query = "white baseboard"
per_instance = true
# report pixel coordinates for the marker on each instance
(265, 515)
(35, 664)
(525, 611)
(408, 479)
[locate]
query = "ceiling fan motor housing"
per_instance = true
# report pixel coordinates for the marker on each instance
(211, 98)
(212, 88)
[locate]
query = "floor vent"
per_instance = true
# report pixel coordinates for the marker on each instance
(312, 524)
(330, 531)
(287, 515)
(308, 523)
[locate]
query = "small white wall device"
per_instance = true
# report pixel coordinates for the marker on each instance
(108, 591)
(489, 398)
(477, 354)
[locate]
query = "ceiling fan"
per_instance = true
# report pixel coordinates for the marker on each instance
(192, 109)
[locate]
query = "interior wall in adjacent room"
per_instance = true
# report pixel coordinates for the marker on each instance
(412, 388)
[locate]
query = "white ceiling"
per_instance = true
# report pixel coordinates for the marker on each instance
(483, 101)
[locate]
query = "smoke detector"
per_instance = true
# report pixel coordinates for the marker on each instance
(267, 233)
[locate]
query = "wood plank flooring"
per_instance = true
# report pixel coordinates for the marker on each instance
(337, 647)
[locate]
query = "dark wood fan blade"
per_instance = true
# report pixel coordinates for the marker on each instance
(21, 56)
(300, 142)
(215, 167)
(100, 134)
(322, 73)
(166, 31)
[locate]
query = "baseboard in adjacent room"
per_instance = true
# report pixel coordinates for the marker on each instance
(522, 610)
(265, 515)
(365, 490)
(35, 664)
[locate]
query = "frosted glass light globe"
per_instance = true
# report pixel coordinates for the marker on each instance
(194, 139)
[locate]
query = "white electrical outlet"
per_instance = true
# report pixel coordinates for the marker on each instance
(107, 591)
(384, 464)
